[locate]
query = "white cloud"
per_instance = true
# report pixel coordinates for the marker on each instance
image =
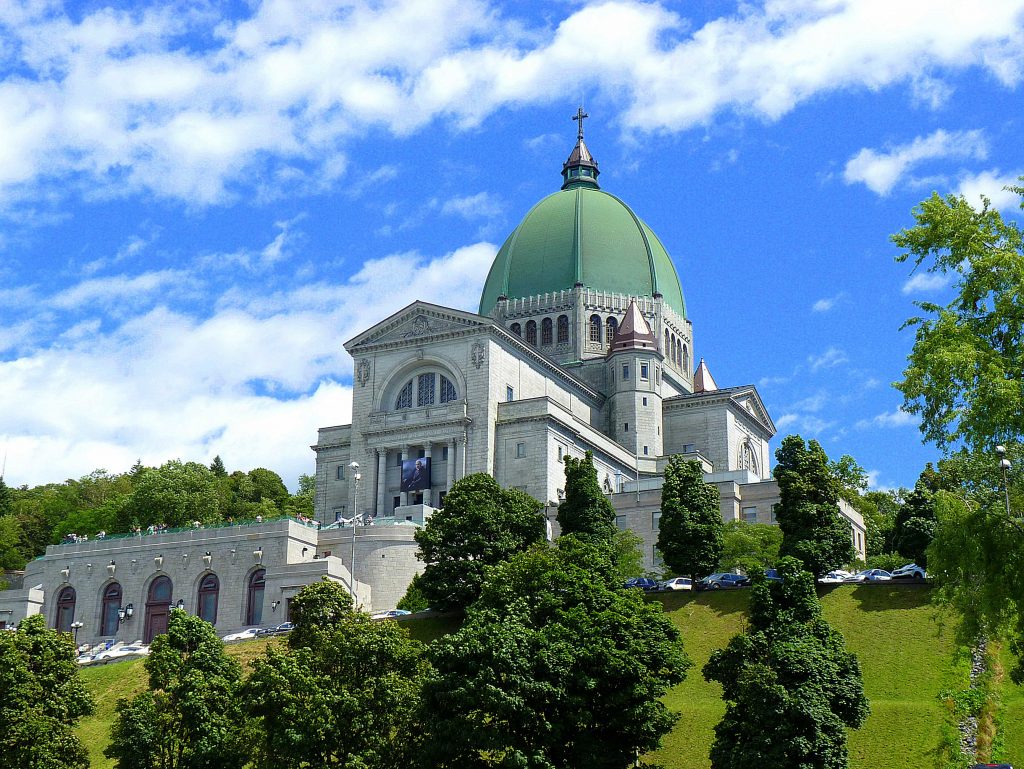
(251, 382)
(483, 205)
(115, 102)
(827, 303)
(117, 289)
(831, 358)
(923, 282)
(881, 171)
(992, 185)
(888, 419)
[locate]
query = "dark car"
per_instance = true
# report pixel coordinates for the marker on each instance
(644, 583)
(723, 580)
(992, 766)
(772, 576)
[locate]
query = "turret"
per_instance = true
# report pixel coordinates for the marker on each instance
(634, 377)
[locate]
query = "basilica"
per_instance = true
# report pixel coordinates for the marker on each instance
(581, 343)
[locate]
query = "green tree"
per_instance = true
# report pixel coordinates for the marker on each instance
(749, 546)
(808, 513)
(555, 666)
(879, 510)
(6, 498)
(691, 527)
(585, 511)
(41, 699)
(965, 373)
(301, 502)
(10, 539)
(914, 526)
(176, 493)
(346, 692)
(627, 557)
(481, 524)
(217, 467)
(191, 716)
(791, 688)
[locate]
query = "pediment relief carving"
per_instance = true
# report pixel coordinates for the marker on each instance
(416, 325)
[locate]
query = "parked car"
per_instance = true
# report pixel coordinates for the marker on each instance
(677, 583)
(389, 614)
(242, 635)
(84, 659)
(284, 627)
(835, 577)
(644, 583)
(119, 652)
(911, 571)
(723, 580)
(870, 575)
(992, 766)
(772, 576)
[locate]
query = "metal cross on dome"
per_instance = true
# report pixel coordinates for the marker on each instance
(580, 116)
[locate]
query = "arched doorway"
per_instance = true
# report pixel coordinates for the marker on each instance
(111, 606)
(158, 608)
(209, 590)
(254, 602)
(65, 609)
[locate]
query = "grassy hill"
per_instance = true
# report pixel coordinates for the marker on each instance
(906, 652)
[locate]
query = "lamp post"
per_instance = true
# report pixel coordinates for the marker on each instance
(356, 477)
(74, 628)
(1004, 465)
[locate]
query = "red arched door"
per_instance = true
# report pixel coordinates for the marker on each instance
(158, 608)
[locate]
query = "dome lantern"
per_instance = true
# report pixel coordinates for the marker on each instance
(580, 168)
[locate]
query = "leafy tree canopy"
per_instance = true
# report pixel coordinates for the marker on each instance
(481, 524)
(749, 546)
(191, 716)
(555, 666)
(791, 688)
(176, 493)
(965, 374)
(41, 699)
(691, 527)
(808, 513)
(585, 511)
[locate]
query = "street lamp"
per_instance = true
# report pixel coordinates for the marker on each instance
(356, 477)
(1004, 465)
(74, 628)
(125, 612)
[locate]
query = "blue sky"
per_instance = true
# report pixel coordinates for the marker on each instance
(199, 203)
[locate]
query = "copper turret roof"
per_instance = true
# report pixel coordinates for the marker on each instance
(634, 332)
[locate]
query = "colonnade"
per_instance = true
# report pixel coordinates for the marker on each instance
(455, 468)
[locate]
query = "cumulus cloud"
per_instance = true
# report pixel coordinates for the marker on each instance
(831, 358)
(483, 205)
(252, 381)
(888, 419)
(925, 282)
(184, 104)
(827, 303)
(992, 184)
(881, 171)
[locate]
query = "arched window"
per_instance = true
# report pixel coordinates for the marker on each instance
(448, 393)
(111, 606)
(747, 458)
(209, 589)
(686, 359)
(65, 609)
(679, 353)
(667, 349)
(563, 329)
(546, 327)
(531, 332)
(158, 607)
(611, 326)
(517, 329)
(254, 601)
(595, 328)
(404, 399)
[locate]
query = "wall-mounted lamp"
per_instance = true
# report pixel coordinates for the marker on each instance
(65, 573)
(111, 568)
(304, 551)
(180, 604)
(158, 561)
(125, 612)
(207, 559)
(257, 555)
(184, 560)
(274, 605)
(232, 553)
(88, 567)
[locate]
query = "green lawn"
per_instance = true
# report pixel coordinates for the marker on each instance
(1012, 714)
(904, 652)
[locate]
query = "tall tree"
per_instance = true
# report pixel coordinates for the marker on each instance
(750, 546)
(914, 526)
(217, 467)
(808, 512)
(480, 525)
(965, 373)
(41, 699)
(690, 533)
(555, 666)
(176, 493)
(585, 511)
(791, 688)
(191, 717)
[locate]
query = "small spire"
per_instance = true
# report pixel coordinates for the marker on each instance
(580, 168)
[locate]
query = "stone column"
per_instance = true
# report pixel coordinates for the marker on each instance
(404, 499)
(450, 470)
(382, 471)
(426, 491)
(464, 446)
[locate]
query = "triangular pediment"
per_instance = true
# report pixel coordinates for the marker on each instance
(419, 320)
(750, 402)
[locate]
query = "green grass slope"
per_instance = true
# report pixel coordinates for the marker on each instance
(904, 652)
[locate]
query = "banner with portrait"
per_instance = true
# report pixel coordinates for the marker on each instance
(416, 474)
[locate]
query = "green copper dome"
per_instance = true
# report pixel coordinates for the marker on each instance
(582, 235)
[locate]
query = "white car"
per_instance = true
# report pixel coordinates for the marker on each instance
(870, 575)
(130, 650)
(390, 614)
(911, 571)
(241, 635)
(677, 583)
(835, 577)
